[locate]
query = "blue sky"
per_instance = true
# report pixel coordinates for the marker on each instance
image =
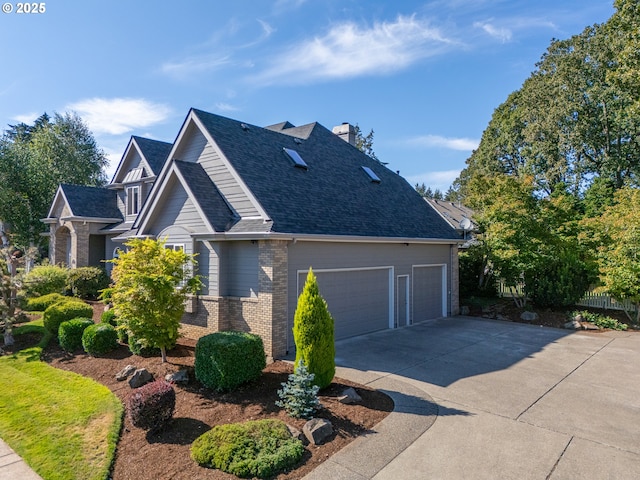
(424, 75)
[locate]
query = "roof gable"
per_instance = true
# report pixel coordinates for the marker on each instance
(142, 153)
(86, 202)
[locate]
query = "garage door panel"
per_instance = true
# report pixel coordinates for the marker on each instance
(358, 300)
(427, 293)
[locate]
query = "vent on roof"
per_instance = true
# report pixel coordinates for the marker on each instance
(296, 158)
(297, 140)
(244, 126)
(374, 178)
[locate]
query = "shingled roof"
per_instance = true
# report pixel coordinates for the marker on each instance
(154, 151)
(334, 195)
(91, 202)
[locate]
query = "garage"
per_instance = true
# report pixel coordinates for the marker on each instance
(429, 292)
(360, 300)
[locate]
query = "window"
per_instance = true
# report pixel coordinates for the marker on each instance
(374, 178)
(133, 200)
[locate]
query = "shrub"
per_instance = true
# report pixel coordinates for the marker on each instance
(137, 345)
(99, 338)
(70, 333)
(599, 320)
(40, 304)
(299, 396)
(86, 282)
(313, 333)
(152, 405)
(60, 312)
(109, 316)
(44, 279)
(259, 448)
(224, 360)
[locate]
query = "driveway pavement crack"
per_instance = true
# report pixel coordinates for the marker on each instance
(555, 465)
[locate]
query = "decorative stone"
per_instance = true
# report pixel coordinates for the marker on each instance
(140, 377)
(350, 396)
(528, 316)
(464, 310)
(573, 325)
(317, 430)
(181, 376)
(589, 326)
(125, 372)
(578, 318)
(295, 433)
(502, 318)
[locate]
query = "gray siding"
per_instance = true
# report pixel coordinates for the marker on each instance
(209, 267)
(176, 208)
(239, 269)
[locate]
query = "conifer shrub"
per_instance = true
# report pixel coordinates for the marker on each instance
(41, 303)
(65, 310)
(299, 396)
(70, 333)
(224, 360)
(258, 448)
(151, 406)
(99, 338)
(313, 334)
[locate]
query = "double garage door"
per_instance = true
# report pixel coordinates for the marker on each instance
(363, 301)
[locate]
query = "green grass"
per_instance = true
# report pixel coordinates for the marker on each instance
(64, 425)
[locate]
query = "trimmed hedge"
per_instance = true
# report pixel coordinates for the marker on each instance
(60, 312)
(70, 333)
(151, 406)
(109, 316)
(41, 303)
(259, 448)
(45, 279)
(86, 282)
(224, 360)
(99, 338)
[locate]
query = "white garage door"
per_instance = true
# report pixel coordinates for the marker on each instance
(359, 300)
(429, 298)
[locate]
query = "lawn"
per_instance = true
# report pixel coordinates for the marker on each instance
(64, 425)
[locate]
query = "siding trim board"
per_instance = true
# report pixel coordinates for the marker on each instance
(407, 307)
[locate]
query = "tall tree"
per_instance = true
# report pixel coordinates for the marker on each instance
(34, 160)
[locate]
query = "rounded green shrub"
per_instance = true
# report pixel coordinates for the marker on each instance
(45, 279)
(99, 338)
(224, 360)
(313, 334)
(86, 282)
(70, 333)
(259, 448)
(151, 406)
(40, 304)
(109, 316)
(137, 347)
(60, 312)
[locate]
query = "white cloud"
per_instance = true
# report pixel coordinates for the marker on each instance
(226, 107)
(116, 116)
(436, 180)
(501, 34)
(450, 143)
(197, 64)
(27, 118)
(349, 50)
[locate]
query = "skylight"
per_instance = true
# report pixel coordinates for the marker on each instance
(374, 178)
(297, 159)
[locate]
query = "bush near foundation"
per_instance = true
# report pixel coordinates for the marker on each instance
(87, 282)
(99, 338)
(45, 279)
(60, 312)
(224, 360)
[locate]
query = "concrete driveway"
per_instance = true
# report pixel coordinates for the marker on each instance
(480, 399)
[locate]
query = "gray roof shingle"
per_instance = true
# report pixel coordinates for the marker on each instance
(91, 202)
(154, 151)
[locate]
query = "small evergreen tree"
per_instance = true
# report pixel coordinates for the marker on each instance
(313, 333)
(299, 396)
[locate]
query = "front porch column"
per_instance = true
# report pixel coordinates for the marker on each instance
(79, 245)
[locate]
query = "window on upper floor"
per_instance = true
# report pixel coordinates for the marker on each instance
(133, 200)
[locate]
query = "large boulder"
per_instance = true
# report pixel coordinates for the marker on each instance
(529, 316)
(349, 396)
(140, 377)
(317, 430)
(125, 372)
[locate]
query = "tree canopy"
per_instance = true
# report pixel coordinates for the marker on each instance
(34, 160)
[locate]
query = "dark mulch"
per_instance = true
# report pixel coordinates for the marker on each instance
(165, 455)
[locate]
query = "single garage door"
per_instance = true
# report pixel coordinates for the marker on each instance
(428, 292)
(359, 300)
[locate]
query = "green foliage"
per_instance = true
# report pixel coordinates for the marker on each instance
(137, 346)
(476, 275)
(224, 360)
(40, 304)
(151, 283)
(99, 338)
(45, 279)
(261, 448)
(60, 312)
(109, 316)
(599, 320)
(87, 282)
(151, 406)
(70, 333)
(299, 396)
(313, 333)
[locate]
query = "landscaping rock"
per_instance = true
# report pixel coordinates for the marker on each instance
(350, 396)
(125, 372)
(181, 376)
(573, 325)
(295, 433)
(140, 377)
(589, 326)
(464, 310)
(529, 316)
(317, 430)
(578, 318)
(503, 318)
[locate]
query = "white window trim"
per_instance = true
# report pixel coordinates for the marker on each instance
(133, 193)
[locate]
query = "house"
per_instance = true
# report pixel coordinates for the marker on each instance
(259, 206)
(456, 215)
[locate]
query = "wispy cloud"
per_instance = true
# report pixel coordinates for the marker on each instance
(116, 116)
(441, 180)
(501, 34)
(226, 107)
(450, 143)
(27, 118)
(195, 64)
(350, 50)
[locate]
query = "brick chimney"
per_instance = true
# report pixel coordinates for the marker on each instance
(347, 132)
